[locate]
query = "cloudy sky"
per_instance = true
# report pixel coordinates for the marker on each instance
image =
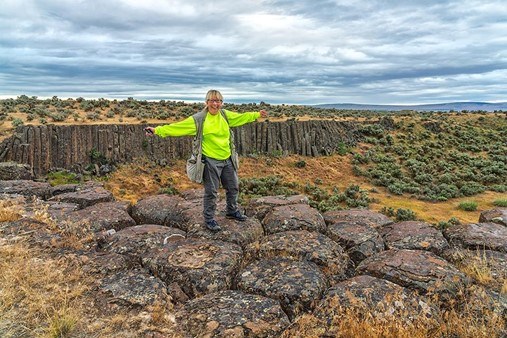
(280, 51)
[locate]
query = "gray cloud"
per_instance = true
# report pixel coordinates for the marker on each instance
(274, 51)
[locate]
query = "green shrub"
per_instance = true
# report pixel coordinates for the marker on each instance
(500, 203)
(405, 215)
(468, 206)
(62, 177)
(17, 122)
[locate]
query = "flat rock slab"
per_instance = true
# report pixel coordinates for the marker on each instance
(241, 233)
(135, 241)
(372, 218)
(293, 217)
(259, 207)
(26, 188)
(134, 288)
(101, 216)
(198, 266)
(498, 215)
(298, 285)
(414, 235)
(193, 194)
(303, 245)
(232, 314)
(85, 197)
(415, 269)
(360, 240)
(491, 236)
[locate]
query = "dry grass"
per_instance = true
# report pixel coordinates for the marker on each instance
(40, 296)
(10, 210)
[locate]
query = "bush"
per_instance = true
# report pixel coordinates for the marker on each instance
(500, 203)
(405, 215)
(17, 122)
(468, 206)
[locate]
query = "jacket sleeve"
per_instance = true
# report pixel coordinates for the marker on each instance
(239, 119)
(185, 127)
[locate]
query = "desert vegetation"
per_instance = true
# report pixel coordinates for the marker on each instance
(443, 168)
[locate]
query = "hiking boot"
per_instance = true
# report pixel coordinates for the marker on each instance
(237, 215)
(213, 225)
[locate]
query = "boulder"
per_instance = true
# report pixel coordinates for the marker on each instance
(298, 285)
(241, 233)
(359, 239)
(303, 245)
(498, 215)
(156, 209)
(232, 314)
(101, 216)
(15, 171)
(371, 218)
(415, 269)
(490, 236)
(198, 266)
(413, 235)
(293, 217)
(367, 297)
(135, 241)
(26, 188)
(134, 288)
(259, 207)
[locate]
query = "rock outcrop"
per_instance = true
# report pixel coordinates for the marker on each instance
(255, 278)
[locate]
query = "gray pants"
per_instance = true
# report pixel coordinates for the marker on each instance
(216, 171)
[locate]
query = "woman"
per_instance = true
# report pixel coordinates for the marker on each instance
(216, 151)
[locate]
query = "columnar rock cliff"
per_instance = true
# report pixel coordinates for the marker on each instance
(69, 147)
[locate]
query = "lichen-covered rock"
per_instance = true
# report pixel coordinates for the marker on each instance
(232, 314)
(58, 210)
(415, 269)
(498, 215)
(101, 216)
(493, 264)
(26, 188)
(303, 245)
(259, 207)
(298, 285)
(491, 236)
(372, 218)
(198, 266)
(372, 296)
(172, 211)
(30, 230)
(15, 171)
(193, 194)
(241, 233)
(86, 196)
(414, 235)
(156, 209)
(104, 263)
(135, 241)
(293, 217)
(360, 240)
(134, 288)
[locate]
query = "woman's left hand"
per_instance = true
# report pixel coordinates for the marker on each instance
(264, 113)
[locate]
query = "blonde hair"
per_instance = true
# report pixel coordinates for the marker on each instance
(213, 94)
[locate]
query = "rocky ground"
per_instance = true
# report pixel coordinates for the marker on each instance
(258, 278)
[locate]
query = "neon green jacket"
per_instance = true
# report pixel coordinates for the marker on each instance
(215, 132)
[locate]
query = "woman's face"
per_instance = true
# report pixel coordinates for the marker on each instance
(214, 104)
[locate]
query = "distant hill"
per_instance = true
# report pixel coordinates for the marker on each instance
(456, 106)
